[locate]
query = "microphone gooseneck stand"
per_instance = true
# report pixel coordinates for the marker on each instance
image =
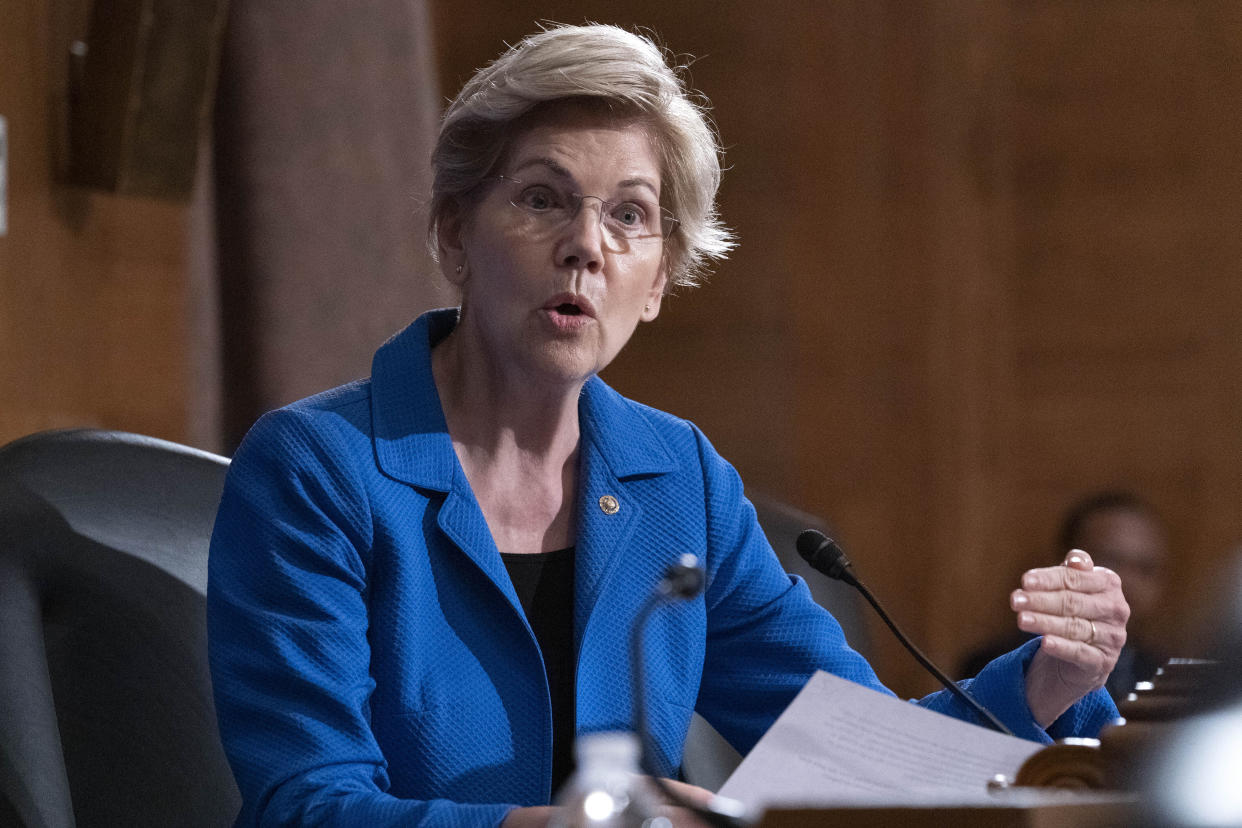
(681, 581)
(828, 558)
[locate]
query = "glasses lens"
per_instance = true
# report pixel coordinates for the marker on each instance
(636, 219)
(629, 220)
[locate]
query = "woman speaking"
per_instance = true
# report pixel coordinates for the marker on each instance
(422, 584)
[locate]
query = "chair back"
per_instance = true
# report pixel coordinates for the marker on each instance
(782, 524)
(708, 760)
(106, 714)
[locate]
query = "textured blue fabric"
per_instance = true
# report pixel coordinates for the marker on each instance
(371, 661)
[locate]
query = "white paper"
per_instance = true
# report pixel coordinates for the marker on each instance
(839, 743)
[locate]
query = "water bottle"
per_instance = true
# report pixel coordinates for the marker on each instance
(607, 790)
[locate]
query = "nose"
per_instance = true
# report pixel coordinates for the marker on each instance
(581, 244)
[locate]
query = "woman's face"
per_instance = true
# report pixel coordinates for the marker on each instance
(557, 298)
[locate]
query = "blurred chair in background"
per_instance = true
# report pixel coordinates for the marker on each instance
(708, 758)
(782, 524)
(106, 714)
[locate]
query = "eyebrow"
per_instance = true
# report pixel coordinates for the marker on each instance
(559, 170)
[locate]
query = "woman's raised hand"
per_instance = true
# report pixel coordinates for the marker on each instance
(1081, 612)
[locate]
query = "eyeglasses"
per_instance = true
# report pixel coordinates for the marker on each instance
(632, 220)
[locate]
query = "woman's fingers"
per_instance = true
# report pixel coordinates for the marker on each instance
(1050, 578)
(1080, 611)
(692, 793)
(1100, 634)
(1095, 664)
(1108, 607)
(1078, 593)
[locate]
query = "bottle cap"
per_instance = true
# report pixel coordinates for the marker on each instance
(617, 747)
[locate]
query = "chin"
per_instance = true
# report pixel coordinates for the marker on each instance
(568, 363)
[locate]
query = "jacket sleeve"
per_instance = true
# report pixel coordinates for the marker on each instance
(287, 638)
(766, 636)
(1001, 688)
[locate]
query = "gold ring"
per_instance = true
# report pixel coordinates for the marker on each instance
(1091, 640)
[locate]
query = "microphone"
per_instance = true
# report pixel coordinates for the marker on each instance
(827, 557)
(682, 580)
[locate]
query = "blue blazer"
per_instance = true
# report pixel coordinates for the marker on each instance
(372, 664)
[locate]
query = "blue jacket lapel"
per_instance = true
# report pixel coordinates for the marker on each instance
(412, 442)
(618, 445)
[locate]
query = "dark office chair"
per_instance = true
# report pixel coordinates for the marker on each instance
(708, 759)
(106, 716)
(782, 524)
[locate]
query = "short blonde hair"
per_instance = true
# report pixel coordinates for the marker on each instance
(601, 63)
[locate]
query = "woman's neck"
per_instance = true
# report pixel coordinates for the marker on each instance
(504, 413)
(517, 442)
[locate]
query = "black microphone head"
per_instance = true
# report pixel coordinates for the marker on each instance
(683, 579)
(825, 556)
(810, 541)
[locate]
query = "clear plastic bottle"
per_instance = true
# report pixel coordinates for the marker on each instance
(607, 790)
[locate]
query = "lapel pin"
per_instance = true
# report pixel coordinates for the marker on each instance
(609, 505)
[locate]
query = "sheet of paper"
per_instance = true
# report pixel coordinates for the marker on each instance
(839, 743)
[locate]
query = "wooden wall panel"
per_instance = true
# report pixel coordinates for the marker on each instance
(92, 291)
(1128, 280)
(909, 420)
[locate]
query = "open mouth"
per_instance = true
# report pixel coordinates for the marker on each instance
(568, 305)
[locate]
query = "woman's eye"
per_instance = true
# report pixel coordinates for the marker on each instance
(629, 214)
(538, 198)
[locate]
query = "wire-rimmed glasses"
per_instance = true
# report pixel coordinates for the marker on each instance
(631, 220)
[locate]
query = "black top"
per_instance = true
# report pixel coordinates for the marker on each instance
(544, 583)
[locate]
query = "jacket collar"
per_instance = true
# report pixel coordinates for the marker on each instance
(411, 437)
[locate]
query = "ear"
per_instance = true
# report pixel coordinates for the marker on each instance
(651, 308)
(451, 245)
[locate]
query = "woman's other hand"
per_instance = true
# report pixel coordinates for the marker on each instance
(1080, 611)
(529, 817)
(678, 817)
(699, 797)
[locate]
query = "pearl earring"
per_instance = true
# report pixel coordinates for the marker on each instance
(459, 270)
